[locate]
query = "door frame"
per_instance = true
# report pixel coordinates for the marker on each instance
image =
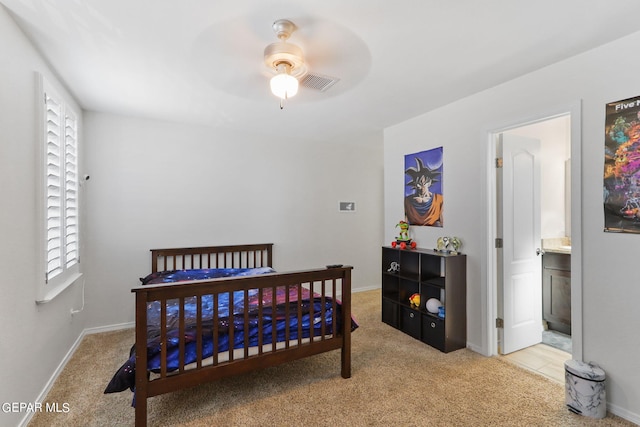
(574, 110)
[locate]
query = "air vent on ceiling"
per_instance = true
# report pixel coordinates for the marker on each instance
(318, 81)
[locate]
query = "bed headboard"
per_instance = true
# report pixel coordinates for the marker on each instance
(231, 256)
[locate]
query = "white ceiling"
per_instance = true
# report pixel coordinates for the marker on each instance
(201, 61)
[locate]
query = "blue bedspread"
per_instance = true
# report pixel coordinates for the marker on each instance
(201, 274)
(230, 313)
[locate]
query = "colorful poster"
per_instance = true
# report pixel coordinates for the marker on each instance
(423, 188)
(622, 166)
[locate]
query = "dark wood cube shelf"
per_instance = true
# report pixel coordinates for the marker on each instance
(430, 274)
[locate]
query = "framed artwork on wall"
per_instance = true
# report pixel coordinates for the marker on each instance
(621, 191)
(423, 198)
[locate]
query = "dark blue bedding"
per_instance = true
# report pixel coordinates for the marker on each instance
(201, 274)
(230, 314)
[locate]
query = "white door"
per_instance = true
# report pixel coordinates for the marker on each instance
(521, 263)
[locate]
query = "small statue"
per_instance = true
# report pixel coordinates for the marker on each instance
(403, 240)
(414, 300)
(455, 244)
(404, 230)
(394, 267)
(448, 245)
(442, 244)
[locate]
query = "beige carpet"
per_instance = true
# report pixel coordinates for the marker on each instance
(397, 381)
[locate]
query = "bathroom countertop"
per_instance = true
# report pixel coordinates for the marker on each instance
(559, 250)
(557, 245)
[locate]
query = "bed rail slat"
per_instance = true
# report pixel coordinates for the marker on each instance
(230, 321)
(274, 338)
(311, 310)
(287, 311)
(299, 312)
(260, 320)
(334, 307)
(163, 338)
(181, 336)
(199, 331)
(246, 323)
(216, 329)
(323, 311)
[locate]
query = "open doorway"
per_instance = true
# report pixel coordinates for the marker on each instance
(561, 227)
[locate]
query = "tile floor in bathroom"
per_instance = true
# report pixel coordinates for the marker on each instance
(543, 359)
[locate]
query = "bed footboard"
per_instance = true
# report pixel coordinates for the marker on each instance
(331, 290)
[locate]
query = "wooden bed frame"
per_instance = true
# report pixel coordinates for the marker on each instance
(327, 282)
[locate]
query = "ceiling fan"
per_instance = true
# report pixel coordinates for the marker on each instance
(286, 63)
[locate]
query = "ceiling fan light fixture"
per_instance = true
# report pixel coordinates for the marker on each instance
(285, 61)
(283, 84)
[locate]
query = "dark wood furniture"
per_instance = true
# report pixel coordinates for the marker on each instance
(430, 274)
(556, 291)
(327, 282)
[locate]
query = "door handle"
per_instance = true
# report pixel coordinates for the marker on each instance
(539, 251)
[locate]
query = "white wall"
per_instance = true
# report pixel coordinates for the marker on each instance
(159, 184)
(611, 317)
(34, 339)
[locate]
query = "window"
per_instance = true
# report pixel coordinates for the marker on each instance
(61, 234)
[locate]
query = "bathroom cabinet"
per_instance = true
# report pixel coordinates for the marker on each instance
(556, 291)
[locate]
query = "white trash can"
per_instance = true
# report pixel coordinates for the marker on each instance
(585, 390)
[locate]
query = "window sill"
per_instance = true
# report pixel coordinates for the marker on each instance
(49, 294)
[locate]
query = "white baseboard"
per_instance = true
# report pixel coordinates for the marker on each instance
(364, 289)
(109, 328)
(65, 360)
(475, 348)
(623, 413)
(54, 377)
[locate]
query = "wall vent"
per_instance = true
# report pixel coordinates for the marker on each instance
(318, 81)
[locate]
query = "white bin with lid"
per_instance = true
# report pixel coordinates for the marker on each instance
(585, 390)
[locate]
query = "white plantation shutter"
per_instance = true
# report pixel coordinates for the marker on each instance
(54, 201)
(71, 190)
(61, 194)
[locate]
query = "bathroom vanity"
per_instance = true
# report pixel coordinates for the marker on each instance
(556, 288)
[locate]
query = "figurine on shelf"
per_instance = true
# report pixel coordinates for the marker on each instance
(455, 244)
(414, 300)
(403, 240)
(394, 267)
(449, 245)
(404, 231)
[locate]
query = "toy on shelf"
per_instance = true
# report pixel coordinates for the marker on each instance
(394, 267)
(403, 240)
(414, 300)
(433, 304)
(449, 245)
